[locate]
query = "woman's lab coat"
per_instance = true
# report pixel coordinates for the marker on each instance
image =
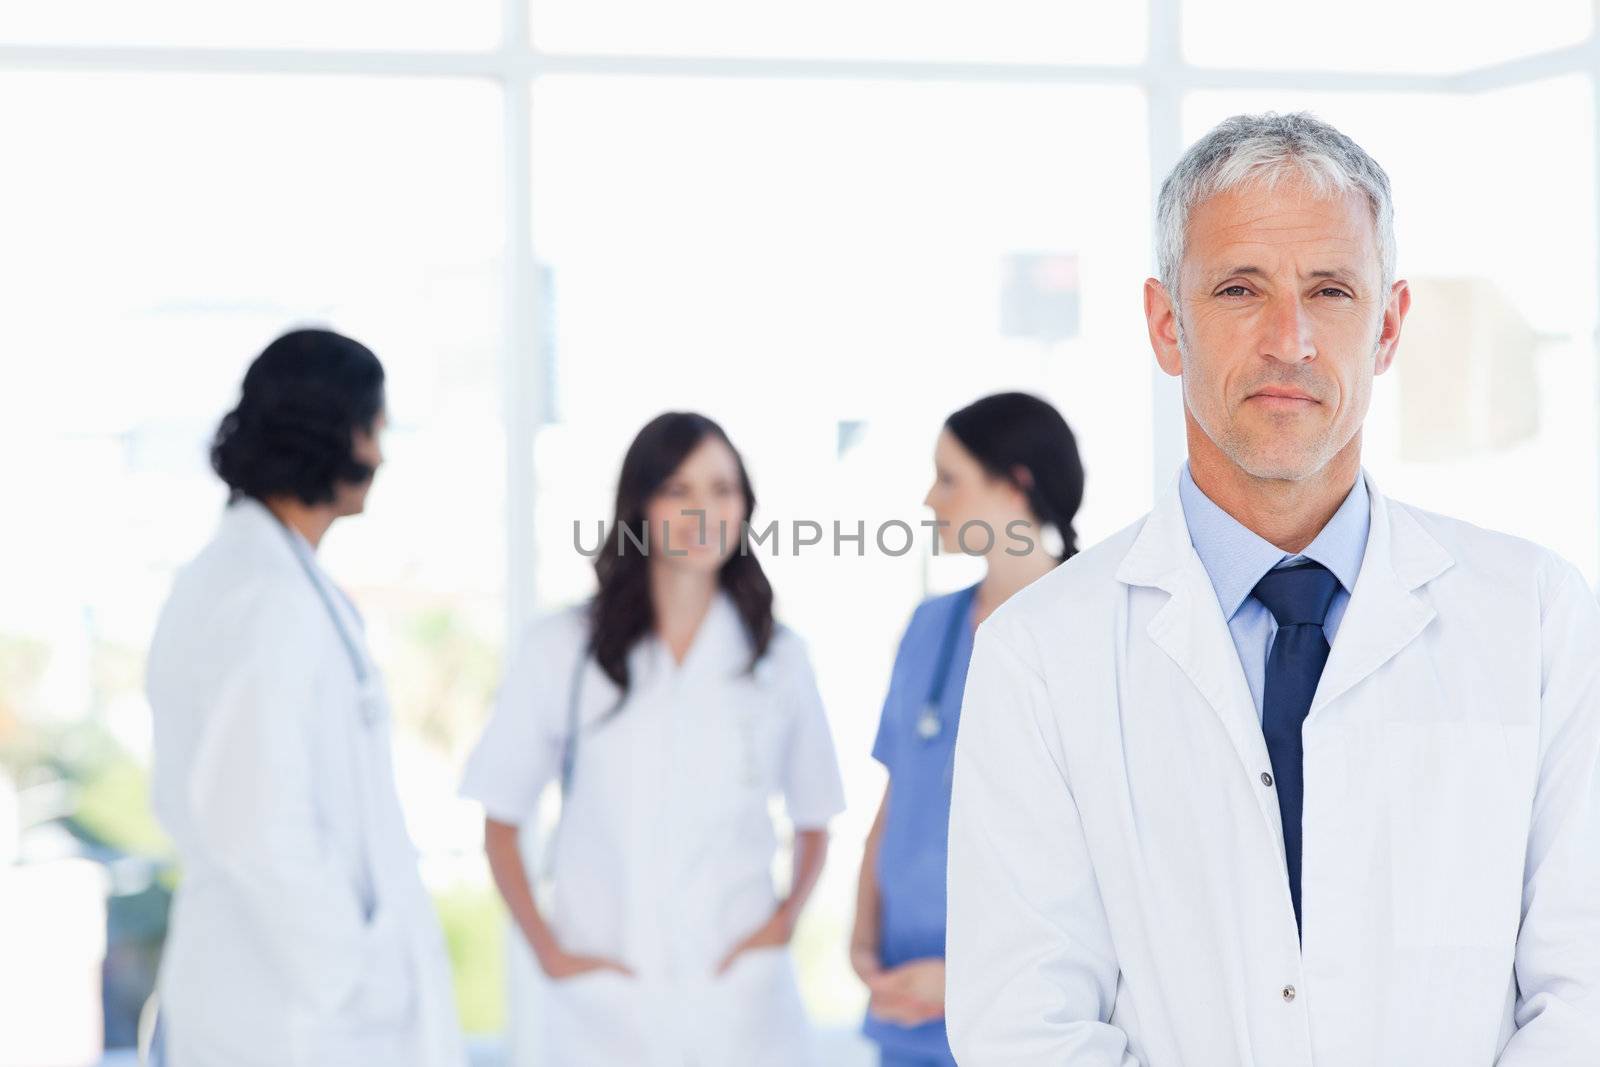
(301, 935)
(663, 859)
(1117, 885)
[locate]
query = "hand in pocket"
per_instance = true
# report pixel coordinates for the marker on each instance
(560, 965)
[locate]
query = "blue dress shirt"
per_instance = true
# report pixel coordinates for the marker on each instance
(1236, 557)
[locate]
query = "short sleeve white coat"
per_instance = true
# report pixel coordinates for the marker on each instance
(663, 860)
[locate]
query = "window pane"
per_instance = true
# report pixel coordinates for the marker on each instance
(998, 31)
(1423, 36)
(163, 230)
(461, 24)
(829, 270)
(1493, 387)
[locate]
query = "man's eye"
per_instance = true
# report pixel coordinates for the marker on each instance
(1333, 292)
(1234, 290)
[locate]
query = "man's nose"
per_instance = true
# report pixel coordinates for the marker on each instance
(1288, 332)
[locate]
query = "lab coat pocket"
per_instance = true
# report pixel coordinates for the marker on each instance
(374, 1025)
(766, 961)
(1458, 832)
(386, 991)
(595, 1017)
(756, 1017)
(321, 1043)
(740, 748)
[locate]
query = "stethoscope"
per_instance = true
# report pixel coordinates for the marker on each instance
(930, 724)
(371, 700)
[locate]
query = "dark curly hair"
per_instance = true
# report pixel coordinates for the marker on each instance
(302, 401)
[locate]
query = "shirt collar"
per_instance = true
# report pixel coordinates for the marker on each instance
(1236, 557)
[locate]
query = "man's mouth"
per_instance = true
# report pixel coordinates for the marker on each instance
(1284, 398)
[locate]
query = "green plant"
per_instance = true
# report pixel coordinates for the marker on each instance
(475, 932)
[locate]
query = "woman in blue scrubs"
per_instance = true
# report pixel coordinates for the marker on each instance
(1007, 464)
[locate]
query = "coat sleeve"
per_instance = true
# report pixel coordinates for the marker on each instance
(522, 746)
(812, 790)
(1031, 974)
(1558, 945)
(252, 793)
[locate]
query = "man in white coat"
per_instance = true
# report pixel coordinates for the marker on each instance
(301, 934)
(1286, 773)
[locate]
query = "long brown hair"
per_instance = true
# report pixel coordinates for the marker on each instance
(622, 613)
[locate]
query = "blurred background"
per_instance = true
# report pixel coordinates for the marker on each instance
(826, 225)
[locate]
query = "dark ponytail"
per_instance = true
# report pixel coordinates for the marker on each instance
(1010, 430)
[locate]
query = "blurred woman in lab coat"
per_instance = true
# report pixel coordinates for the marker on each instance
(301, 934)
(1007, 463)
(672, 708)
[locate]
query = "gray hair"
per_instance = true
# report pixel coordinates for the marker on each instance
(1264, 148)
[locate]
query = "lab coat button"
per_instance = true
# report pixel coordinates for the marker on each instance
(1288, 994)
(1266, 779)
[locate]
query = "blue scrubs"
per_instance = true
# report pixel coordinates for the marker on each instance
(912, 850)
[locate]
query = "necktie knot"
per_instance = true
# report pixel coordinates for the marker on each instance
(1298, 595)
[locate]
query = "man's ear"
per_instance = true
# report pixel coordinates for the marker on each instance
(1161, 317)
(1394, 316)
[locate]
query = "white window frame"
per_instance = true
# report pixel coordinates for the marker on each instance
(1164, 75)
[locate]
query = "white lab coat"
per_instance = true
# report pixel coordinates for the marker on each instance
(1116, 877)
(663, 859)
(301, 935)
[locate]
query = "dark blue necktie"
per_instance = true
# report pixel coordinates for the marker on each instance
(1298, 598)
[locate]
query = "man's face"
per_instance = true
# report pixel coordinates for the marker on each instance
(1284, 323)
(350, 498)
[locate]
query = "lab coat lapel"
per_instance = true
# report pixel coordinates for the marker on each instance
(719, 649)
(1385, 613)
(1190, 627)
